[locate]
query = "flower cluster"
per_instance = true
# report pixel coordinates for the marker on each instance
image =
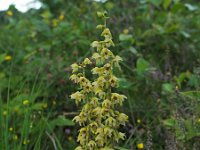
(99, 118)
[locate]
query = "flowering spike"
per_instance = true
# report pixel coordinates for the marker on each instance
(99, 118)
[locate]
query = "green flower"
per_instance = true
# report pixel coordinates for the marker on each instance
(92, 144)
(79, 148)
(118, 98)
(87, 61)
(78, 96)
(98, 117)
(74, 78)
(75, 67)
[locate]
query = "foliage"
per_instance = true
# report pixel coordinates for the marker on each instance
(159, 42)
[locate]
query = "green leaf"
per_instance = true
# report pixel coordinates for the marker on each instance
(191, 7)
(167, 87)
(109, 5)
(60, 121)
(37, 106)
(141, 65)
(156, 2)
(124, 84)
(2, 56)
(185, 34)
(120, 148)
(194, 81)
(180, 135)
(182, 77)
(2, 75)
(176, 7)
(166, 3)
(159, 28)
(192, 94)
(170, 123)
(125, 37)
(191, 132)
(133, 50)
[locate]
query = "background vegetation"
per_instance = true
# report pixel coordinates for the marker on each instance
(159, 41)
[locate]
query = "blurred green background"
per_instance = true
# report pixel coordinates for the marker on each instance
(159, 41)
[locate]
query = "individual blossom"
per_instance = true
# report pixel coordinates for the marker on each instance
(107, 103)
(93, 126)
(122, 118)
(97, 57)
(94, 101)
(106, 53)
(78, 96)
(108, 131)
(119, 136)
(125, 31)
(81, 118)
(100, 26)
(118, 98)
(116, 61)
(10, 129)
(5, 113)
(106, 32)
(87, 61)
(113, 81)
(138, 121)
(79, 148)
(83, 134)
(95, 44)
(61, 17)
(26, 102)
(75, 67)
(15, 137)
(74, 78)
(92, 145)
(9, 13)
(97, 70)
(107, 69)
(7, 58)
(140, 146)
(111, 122)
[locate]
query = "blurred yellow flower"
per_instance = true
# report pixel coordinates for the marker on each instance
(140, 145)
(198, 120)
(9, 13)
(87, 61)
(45, 105)
(54, 102)
(125, 31)
(24, 142)
(54, 22)
(138, 121)
(15, 137)
(16, 109)
(69, 138)
(26, 102)
(61, 17)
(10, 129)
(5, 113)
(8, 58)
(75, 67)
